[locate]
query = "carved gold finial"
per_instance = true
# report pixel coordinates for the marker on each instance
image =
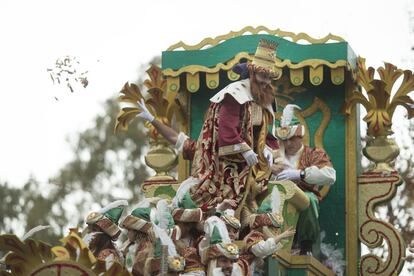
(157, 102)
(380, 108)
(161, 157)
(380, 184)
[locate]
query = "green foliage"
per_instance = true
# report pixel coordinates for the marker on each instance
(105, 167)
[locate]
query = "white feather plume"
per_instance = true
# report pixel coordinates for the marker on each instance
(165, 240)
(162, 214)
(287, 115)
(275, 200)
(221, 226)
(144, 203)
(34, 231)
(184, 187)
(153, 215)
(115, 204)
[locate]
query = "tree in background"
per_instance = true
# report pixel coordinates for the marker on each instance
(106, 166)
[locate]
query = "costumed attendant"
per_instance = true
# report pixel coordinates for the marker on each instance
(309, 168)
(174, 262)
(189, 218)
(264, 237)
(237, 139)
(218, 252)
(103, 231)
(140, 237)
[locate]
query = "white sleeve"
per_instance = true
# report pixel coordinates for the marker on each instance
(180, 141)
(263, 249)
(322, 176)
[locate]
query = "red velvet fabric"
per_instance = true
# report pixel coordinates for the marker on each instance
(229, 129)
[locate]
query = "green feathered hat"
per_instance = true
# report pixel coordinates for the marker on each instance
(289, 125)
(184, 208)
(107, 218)
(219, 240)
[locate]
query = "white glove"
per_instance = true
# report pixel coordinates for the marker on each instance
(265, 248)
(145, 114)
(268, 155)
(251, 157)
(289, 174)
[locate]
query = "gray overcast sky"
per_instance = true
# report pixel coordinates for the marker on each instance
(122, 35)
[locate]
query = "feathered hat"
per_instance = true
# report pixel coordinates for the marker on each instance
(184, 208)
(216, 242)
(228, 217)
(107, 218)
(289, 124)
(140, 217)
(269, 212)
(176, 262)
(165, 221)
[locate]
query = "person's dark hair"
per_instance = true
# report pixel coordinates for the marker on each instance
(100, 242)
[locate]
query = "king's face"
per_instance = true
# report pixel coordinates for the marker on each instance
(263, 79)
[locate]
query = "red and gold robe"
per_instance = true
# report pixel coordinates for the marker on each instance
(234, 124)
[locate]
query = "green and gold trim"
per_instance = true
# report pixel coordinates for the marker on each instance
(191, 73)
(252, 30)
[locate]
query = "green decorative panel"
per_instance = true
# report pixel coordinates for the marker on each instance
(223, 52)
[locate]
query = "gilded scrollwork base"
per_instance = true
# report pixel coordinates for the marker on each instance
(375, 188)
(36, 258)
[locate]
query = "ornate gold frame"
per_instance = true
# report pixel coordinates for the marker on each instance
(295, 38)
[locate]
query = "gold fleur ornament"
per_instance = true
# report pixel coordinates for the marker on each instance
(380, 106)
(231, 248)
(93, 217)
(176, 263)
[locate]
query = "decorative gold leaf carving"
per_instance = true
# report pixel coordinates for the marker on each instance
(379, 104)
(35, 258)
(24, 256)
(249, 29)
(376, 188)
(284, 89)
(130, 94)
(164, 106)
(161, 104)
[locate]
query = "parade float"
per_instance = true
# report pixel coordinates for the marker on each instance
(330, 83)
